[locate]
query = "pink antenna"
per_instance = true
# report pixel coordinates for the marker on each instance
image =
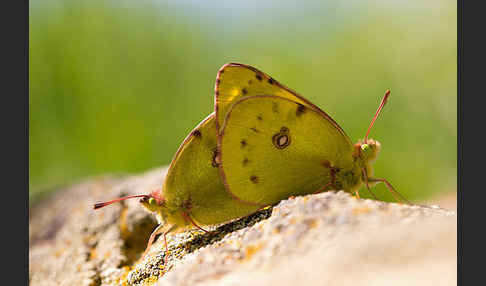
(100, 205)
(383, 102)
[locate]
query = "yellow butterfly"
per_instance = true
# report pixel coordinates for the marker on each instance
(263, 143)
(273, 143)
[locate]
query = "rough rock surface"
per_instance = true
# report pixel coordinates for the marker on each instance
(325, 239)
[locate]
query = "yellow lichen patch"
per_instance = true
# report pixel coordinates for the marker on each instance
(361, 210)
(312, 223)
(58, 253)
(233, 243)
(123, 278)
(107, 254)
(251, 250)
(87, 239)
(150, 281)
(93, 254)
(278, 229)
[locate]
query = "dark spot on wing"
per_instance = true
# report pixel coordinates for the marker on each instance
(250, 81)
(300, 110)
(254, 179)
(254, 130)
(196, 133)
(271, 81)
(216, 92)
(259, 117)
(244, 91)
(245, 161)
(218, 81)
(243, 143)
(275, 107)
(259, 77)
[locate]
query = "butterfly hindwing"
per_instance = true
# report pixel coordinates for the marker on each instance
(273, 147)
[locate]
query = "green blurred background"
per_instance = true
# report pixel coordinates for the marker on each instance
(116, 85)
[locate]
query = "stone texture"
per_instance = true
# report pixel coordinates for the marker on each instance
(325, 239)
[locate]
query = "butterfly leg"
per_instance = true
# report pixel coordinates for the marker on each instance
(166, 247)
(332, 173)
(320, 190)
(365, 176)
(398, 197)
(160, 228)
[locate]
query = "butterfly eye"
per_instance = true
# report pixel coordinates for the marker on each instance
(152, 202)
(365, 147)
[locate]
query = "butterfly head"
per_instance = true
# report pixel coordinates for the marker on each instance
(369, 150)
(154, 202)
(365, 154)
(164, 212)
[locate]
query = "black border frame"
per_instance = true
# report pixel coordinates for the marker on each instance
(14, 20)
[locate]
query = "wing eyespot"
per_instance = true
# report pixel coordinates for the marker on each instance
(282, 138)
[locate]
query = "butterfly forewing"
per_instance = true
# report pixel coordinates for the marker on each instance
(235, 81)
(193, 180)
